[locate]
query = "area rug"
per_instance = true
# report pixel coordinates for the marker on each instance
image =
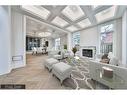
(80, 78)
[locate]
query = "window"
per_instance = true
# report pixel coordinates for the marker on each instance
(76, 38)
(106, 38)
(57, 44)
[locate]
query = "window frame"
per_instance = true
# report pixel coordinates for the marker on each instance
(99, 29)
(75, 34)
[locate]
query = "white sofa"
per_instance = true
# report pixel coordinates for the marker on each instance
(51, 53)
(66, 53)
(58, 56)
(63, 54)
(62, 71)
(121, 75)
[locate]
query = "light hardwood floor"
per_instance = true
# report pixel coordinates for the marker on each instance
(34, 75)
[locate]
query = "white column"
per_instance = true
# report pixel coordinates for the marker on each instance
(18, 43)
(69, 41)
(5, 40)
(117, 39)
(124, 39)
(24, 40)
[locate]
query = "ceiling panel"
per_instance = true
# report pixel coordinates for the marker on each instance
(84, 23)
(37, 10)
(59, 22)
(106, 14)
(37, 29)
(71, 18)
(73, 12)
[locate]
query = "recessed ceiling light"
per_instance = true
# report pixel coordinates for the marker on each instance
(72, 28)
(59, 22)
(37, 10)
(84, 23)
(106, 14)
(73, 12)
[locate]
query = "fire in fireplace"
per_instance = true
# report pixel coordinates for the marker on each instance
(87, 53)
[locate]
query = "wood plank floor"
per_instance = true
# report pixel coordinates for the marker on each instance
(34, 75)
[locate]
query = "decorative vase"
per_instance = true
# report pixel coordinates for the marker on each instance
(74, 54)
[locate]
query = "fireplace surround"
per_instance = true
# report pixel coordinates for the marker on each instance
(88, 51)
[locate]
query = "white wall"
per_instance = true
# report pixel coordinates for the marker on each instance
(90, 37)
(63, 41)
(5, 37)
(124, 38)
(18, 38)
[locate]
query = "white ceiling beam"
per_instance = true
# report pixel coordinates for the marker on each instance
(89, 13)
(55, 11)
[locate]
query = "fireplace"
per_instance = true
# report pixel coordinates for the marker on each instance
(87, 53)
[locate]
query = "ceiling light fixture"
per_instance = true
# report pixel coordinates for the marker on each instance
(44, 34)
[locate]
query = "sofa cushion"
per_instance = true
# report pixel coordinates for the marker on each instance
(114, 61)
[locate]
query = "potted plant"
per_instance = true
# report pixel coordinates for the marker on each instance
(65, 47)
(74, 50)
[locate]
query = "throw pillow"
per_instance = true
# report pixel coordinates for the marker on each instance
(114, 61)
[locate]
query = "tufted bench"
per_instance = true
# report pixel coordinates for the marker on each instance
(49, 63)
(62, 71)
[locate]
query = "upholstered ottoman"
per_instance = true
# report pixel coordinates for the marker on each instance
(62, 71)
(49, 63)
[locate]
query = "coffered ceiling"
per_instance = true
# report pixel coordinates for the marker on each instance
(74, 18)
(36, 28)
